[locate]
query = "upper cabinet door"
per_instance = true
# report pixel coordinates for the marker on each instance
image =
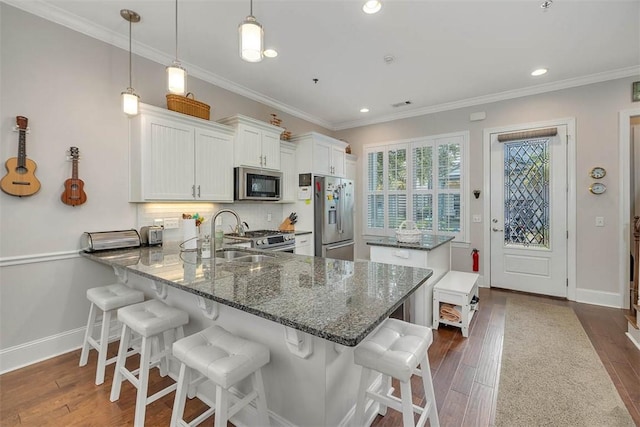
(168, 152)
(338, 166)
(322, 158)
(214, 166)
(249, 146)
(271, 150)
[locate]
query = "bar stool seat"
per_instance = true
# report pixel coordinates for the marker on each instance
(106, 299)
(151, 320)
(225, 359)
(395, 350)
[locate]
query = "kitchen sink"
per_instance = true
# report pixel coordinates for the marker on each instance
(229, 255)
(254, 258)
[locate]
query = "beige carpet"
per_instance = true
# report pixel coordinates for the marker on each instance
(550, 373)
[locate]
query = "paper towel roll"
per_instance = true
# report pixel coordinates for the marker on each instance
(190, 236)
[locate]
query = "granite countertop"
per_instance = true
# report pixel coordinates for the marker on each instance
(302, 232)
(341, 301)
(428, 242)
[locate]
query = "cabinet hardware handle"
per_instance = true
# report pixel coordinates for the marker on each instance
(193, 191)
(495, 229)
(198, 191)
(265, 161)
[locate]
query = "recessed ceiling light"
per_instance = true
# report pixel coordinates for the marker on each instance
(539, 72)
(372, 6)
(364, 110)
(270, 53)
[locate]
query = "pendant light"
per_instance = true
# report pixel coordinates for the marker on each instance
(129, 98)
(176, 75)
(251, 38)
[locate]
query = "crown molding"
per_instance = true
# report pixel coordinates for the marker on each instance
(500, 96)
(54, 14)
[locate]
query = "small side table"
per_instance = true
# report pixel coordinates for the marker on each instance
(457, 288)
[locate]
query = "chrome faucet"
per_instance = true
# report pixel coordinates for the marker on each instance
(213, 226)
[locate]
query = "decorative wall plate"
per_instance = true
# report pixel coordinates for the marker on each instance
(598, 172)
(598, 188)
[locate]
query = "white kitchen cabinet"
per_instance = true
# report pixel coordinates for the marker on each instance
(320, 154)
(257, 144)
(177, 157)
(289, 176)
(304, 244)
(350, 166)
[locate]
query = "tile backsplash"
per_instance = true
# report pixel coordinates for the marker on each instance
(256, 215)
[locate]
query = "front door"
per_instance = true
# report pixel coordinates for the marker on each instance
(529, 212)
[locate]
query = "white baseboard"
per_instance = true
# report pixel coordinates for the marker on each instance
(606, 299)
(32, 352)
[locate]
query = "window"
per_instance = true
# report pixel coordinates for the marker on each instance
(423, 180)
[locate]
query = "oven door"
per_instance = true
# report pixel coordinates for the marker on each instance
(287, 248)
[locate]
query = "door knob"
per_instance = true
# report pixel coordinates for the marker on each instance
(495, 229)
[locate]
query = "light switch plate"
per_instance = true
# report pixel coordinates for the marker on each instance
(477, 218)
(170, 223)
(599, 221)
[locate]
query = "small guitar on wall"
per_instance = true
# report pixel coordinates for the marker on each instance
(20, 179)
(74, 194)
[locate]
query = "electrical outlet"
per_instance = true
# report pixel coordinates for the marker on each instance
(269, 217)
(170, 223)
(158, 222)
(599, 221)
(477, 218)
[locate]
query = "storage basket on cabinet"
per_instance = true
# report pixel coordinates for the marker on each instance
(186, 105)
(408, 232)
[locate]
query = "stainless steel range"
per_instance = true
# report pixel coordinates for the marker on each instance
(270, 240)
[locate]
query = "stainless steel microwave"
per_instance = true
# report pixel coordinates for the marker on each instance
(257, 184)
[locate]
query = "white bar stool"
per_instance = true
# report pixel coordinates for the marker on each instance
(224, 359)
(395, 349)
(149, 319)
(107, 299)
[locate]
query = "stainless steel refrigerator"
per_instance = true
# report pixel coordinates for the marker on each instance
(333, 217)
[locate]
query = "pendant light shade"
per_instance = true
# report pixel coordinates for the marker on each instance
(176, 74)
(176, 79)
(129, 98)
(130, 102)
(251, 38)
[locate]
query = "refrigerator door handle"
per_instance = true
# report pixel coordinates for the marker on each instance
(342, 245)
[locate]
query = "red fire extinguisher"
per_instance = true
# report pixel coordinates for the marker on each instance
(475, 255)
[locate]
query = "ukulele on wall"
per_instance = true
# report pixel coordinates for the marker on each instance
(74, 194)
(20, 179)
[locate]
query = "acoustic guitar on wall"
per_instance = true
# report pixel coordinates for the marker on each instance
(20, 179)
(74, 194)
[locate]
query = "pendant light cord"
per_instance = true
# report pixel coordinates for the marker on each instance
(176, 30)
(250, 7)
(130, 54)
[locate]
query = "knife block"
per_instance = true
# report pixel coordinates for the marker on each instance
(286, 225)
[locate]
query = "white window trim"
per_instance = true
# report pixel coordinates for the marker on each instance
(465, 190)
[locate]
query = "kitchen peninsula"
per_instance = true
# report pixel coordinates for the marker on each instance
(432, 251)
(309, 311)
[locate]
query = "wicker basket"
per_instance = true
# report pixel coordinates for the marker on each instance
(186, 105)
(408, 234)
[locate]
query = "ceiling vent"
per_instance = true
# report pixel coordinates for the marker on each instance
(401, 104)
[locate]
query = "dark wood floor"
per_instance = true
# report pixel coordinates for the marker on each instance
(465, 372)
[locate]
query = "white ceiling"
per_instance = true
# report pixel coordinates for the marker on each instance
(448, 54)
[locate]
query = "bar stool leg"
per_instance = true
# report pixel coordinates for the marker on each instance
(358, 418)
(122, 357)
(385, 389)
(84, 356)
(222, 405)
(261, 403)
(407, 404)
(143, 383)
(104, 343)
(181, 394)
(429, 393)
